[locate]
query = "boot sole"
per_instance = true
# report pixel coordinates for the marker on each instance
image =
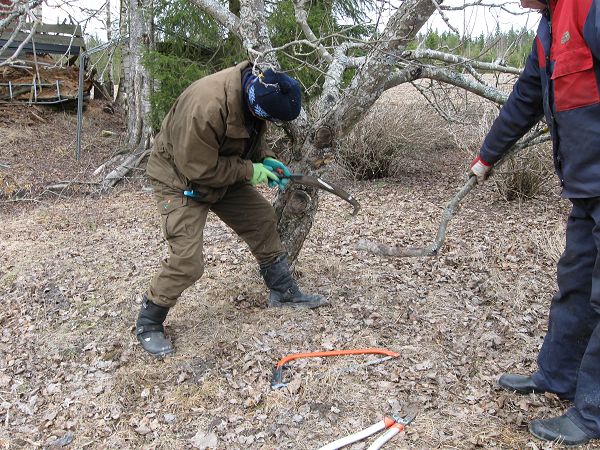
(159, 354)
(521, 391)
(510, 388)
(296, 305)
(555, 440)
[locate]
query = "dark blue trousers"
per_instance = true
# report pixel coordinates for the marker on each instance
(569, 361)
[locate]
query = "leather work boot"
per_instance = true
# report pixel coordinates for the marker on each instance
(149, 328)
(560, 429)
(284, 290)
(523, 384)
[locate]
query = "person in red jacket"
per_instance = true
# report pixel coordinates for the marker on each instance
(561, 82)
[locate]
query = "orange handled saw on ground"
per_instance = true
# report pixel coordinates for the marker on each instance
(394, 424)
(277, 380)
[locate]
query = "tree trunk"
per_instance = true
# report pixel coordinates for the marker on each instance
(297, 206)
(120, 97)
(108, 83)
(139, 83)
(138, 89)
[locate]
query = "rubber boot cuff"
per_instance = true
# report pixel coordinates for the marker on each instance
(149, 328)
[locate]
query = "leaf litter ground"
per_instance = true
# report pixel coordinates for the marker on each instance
(72, 271)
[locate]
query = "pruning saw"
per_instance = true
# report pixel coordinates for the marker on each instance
(319, 183)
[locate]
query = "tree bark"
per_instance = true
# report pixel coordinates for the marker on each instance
(297, 206)
(138, 88)
(108, 84)
(139, 83)
(120, 97)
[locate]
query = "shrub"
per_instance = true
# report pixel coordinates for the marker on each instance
(525, 174)
(378, 145)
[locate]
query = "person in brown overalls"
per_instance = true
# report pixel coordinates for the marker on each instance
(208, 156)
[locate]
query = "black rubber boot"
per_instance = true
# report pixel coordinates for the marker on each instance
(560, 429)
(284, 290)
(149, 328)
(523, 384)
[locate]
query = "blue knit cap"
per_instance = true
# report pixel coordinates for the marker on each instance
(274, 96)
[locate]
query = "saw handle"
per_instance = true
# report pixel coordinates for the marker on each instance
(277, 378)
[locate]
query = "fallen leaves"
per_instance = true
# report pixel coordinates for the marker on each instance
(73, 368)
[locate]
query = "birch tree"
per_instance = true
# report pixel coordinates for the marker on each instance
(138, 86)
(377, 63)
(355, 68)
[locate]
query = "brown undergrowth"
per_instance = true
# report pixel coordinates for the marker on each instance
(72, 271)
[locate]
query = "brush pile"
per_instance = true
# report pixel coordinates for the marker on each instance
(40, 81)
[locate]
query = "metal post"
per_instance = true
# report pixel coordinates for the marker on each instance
(80, 104)
(58, 90)
(10, 89)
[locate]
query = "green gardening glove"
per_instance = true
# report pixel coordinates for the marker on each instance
(274, 164)
(262, 174)
(280, 169)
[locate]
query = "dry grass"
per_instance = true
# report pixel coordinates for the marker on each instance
(550, 242)
(458, 320)
(526, 174)
(14, 135)
(380, 144)
(186, 397)
(40, 151)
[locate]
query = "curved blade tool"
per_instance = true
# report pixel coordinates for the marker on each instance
(308, 180)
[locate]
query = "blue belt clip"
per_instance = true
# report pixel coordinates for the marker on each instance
(191, 194)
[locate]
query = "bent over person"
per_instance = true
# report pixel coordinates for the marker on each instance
(208, 156)
(561, 81)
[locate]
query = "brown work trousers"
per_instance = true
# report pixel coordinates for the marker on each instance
(241, 207)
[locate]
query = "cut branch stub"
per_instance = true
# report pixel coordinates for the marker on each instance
(323, 137)
(298, 202)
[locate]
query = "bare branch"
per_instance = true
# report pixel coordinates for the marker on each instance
(221, 14)
(459, 60)
(533, 138)
(434, 104)
(22, 45)
(17, 9)
(11, 38)
(302, 21)
(415, 72)
(335, 73)
(500, 6)
(131, 162)
(445, 18)
(372, 76)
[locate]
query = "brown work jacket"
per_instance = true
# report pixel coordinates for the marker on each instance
(203, 143)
